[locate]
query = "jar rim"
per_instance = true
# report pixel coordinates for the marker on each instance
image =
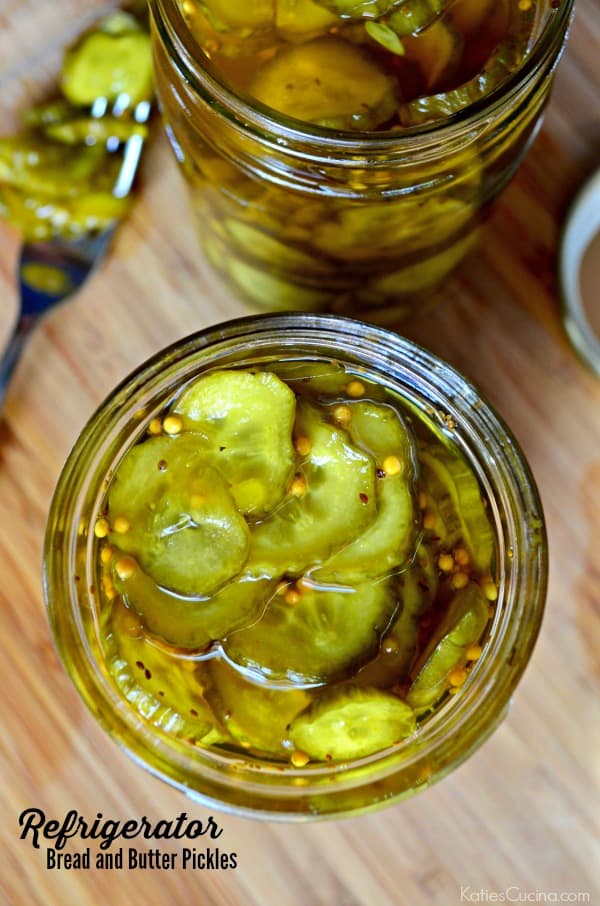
(476, 711)
(263, 121)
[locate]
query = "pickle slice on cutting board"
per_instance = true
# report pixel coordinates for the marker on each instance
(193, 623)
(454, 492)
(352, 722)
(162, 688)
(389, 541)
(34, 166)
(246, 422)
(179, 519)
(323, 635)
(331, 500)
(417, 589)
(88, 130)
(105, 64)
(462, 626)
(256, 716)
(327, 82)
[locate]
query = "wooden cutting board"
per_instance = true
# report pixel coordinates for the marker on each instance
(521, 813)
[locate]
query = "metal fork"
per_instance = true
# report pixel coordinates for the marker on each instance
(73, 260)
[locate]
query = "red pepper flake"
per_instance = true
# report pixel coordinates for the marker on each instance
(77, 578)
(140, 665)
(161, 693)
(147, 674)
(193, 712)
(364, 498)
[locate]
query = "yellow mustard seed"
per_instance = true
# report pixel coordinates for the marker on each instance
(458, 676)
(108, 588)
(462, 556)
(298, 486)
(524, 5)
(303, 446)
(342, 415)
(121, 525)
(155, 427)
(446, 563)
(490, 589)
(460, 580)
(172, 425)
(106, 554)
(102, 528)
(292, 597)
(429, 520)
(391, 465)
(355, 389)
(474, 652)
(299, 759)
(125, 567)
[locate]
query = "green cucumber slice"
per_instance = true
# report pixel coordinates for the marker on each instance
(105, 64)
(337, 506)
(246, 422)
(327, 82)
(417, 590)
(352, 722)
(324, 636)
(184, 530)
(162, 688)
(256, 716)
(194, 622)
(453, 488)
(462, 625)
(389, 541)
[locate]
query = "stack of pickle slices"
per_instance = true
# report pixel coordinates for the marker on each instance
(57, 177)
(291, 567)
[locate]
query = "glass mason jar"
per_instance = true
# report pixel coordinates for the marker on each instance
(297, 217)
(248, 785)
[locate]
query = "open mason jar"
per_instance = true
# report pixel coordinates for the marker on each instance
(300, 217)
(233, 778)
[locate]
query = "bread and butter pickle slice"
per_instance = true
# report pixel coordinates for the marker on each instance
(323, 635)
(192, 623)
(412, 17)
(37, 167)
(436, 51)
(108, 62)
(417, 588)
(301, 20)
(462, 626)
(506, 58)
(327, 82)
(256, 716)
(162, 688)
(239, 16)
(453, 491)
(272, 291)
(89, 130)
(389, 541)
(331, 501)
(352, 722)
(245, 419)
(174, 514)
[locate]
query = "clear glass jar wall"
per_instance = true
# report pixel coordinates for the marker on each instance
(297, 217)
(249, 785)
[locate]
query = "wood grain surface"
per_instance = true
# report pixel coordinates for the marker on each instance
(522, 812)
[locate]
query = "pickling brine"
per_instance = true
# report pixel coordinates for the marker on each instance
(292, 566)
(342, 154)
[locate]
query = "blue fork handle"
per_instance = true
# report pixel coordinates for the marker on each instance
(12, 353)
